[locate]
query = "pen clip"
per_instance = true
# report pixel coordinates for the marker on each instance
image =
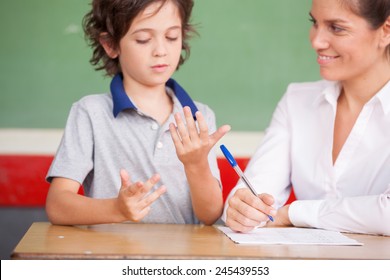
(228, 155)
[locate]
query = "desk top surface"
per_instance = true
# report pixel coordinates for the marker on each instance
(162, 241)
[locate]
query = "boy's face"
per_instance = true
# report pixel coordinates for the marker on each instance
(150, 51)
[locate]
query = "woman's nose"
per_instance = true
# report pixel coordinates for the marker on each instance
(318, 39)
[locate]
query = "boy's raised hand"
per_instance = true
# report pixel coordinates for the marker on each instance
(193, 146)
(134, 199)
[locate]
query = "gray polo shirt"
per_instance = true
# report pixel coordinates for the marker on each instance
(98, 142)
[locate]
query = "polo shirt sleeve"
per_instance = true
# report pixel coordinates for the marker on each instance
(74, 157)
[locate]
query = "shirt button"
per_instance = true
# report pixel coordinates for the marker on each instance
(154, 126)
(159, 145)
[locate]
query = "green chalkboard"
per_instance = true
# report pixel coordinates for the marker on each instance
(246, 54)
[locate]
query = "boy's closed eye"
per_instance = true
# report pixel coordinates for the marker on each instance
(171, 38)
(142, 41)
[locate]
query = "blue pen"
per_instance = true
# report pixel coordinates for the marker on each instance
(238, 170)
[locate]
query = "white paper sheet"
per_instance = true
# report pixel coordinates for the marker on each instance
(290, 235)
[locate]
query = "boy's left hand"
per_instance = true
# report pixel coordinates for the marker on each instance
(193, 146)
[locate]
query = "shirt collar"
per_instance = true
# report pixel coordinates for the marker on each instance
(122, 101)
(383, 96)
(330, 94)
(332, 91)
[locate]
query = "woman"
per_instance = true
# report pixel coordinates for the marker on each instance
(329, 139)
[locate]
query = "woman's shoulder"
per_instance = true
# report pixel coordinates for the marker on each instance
(311, 87)
(307, 92)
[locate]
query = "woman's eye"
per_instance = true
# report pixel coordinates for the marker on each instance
(313, 21)
(336, 28)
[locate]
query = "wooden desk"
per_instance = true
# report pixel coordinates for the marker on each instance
(154, 241)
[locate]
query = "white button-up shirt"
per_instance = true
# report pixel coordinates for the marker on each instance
(351, 195)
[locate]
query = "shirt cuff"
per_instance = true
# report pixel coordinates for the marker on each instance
(304, 213)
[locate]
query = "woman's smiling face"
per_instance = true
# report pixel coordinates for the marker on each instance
(347, 46)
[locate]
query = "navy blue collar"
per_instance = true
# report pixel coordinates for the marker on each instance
(122, 101)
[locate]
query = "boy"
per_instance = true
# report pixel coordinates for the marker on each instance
(129, 132)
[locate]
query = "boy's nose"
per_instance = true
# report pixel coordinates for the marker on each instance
(160, 50)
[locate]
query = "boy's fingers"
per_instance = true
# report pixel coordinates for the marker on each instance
(125, 179)
(182, 129)
(144, 205)
(151, 182)
(148, 200)
(190, 122)
(140, 189)
(142, 214)
(135, 189)
(175, 137)
(216, 136)
(203, 128)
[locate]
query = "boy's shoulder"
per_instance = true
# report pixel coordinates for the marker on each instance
(202, 106)
(92, 101)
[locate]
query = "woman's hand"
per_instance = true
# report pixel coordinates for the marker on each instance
(281, 219)
(246, 211)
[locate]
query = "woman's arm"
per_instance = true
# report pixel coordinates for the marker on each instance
(361, 214)
(269, 172)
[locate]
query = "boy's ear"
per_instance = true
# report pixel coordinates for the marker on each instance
(106, 43)
(386, 33)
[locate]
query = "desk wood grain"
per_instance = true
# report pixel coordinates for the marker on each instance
(162, 241)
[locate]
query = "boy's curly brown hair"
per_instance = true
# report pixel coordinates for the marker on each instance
(113, 19)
